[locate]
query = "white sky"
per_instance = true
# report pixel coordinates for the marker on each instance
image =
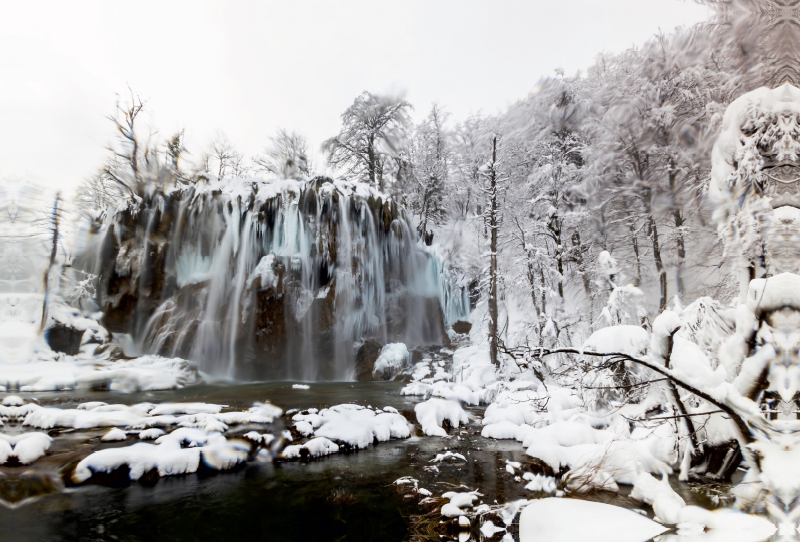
(249, 67)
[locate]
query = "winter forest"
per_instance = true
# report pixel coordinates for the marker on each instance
(573, 318)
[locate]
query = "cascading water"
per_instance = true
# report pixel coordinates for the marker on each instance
(257, 279)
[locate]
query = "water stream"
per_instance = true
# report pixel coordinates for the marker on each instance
(340, 497)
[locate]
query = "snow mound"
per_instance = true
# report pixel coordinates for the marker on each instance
(433, 412)
(167, 455)
(458, 501)
(631, 340)
(501, 430)
(316, 447)
(26, 448)
(354, 425)
(538, 482)
(147, 415)
(448, 455)
(114, 435)
(553, 520)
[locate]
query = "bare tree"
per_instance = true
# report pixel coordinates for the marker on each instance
(373, 129)
(228, 161)
(286, 156)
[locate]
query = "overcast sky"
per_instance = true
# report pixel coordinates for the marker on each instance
(247, 68)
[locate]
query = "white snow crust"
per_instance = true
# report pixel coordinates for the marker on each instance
(355, 425)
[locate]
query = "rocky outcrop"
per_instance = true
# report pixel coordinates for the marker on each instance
(365, 359)
(270, 279)
(64, 338)
(462, 327)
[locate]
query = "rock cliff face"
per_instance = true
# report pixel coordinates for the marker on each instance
(282, 279)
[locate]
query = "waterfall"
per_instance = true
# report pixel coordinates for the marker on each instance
(271, 279)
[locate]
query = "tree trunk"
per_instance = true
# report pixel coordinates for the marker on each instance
(635, 241)
(685, 423)
(681, 252)
(662, 273)
(576, 245)
(53, 254)
(493, 312)
(678, 223)
(371, 166)
(555, 228)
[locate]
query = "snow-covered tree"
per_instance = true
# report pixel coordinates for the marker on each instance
(430, 157)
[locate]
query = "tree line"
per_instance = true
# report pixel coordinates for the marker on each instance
(583, 203)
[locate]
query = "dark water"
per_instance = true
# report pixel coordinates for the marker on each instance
(347, 497)
(343, 497)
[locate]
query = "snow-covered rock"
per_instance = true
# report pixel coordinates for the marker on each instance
(394, 357)
(114, 435)
(433, 412)
(554, 520)
(26, 448)
(353, 425)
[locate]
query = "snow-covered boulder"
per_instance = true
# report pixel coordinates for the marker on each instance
(433, 412)
(558, 520)
(394, 357)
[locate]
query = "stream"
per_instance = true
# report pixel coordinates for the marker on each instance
(345, 496)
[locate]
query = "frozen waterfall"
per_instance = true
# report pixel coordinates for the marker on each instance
(281, 280)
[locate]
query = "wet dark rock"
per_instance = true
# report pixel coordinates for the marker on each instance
(717, 463)
(462, 327)
(365, 359)
(64, 338)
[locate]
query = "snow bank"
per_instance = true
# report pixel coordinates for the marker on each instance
(631, 340)
(558, 520)
(197, 425)
(433, 412)
(468, 380)
(727, 525)
(354, 425)
(62, 372)
(146, 415)
(166, 455)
